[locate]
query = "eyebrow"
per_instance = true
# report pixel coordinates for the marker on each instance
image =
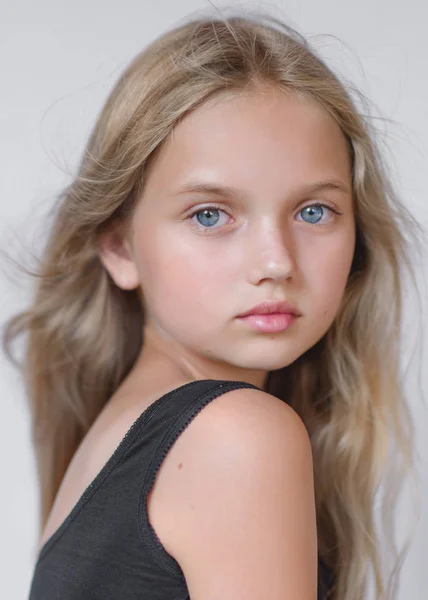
(200, 187)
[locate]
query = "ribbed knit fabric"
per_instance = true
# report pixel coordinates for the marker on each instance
(106, 548)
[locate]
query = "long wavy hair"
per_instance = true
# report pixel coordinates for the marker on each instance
(84, 333)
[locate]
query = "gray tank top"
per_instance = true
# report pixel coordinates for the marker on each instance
(106, 548)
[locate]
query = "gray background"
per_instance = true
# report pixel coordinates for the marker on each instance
(58, 60)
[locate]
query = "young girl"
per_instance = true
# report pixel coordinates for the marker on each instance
(213, 358)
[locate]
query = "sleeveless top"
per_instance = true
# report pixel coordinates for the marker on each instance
(106, 547)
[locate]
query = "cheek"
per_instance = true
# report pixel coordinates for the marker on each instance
(327, 272)
(180, 277)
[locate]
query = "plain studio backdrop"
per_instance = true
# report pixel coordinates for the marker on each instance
(58, 61)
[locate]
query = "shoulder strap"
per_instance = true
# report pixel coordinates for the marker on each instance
(168, 423)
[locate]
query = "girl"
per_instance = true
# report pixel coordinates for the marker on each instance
(212, 363)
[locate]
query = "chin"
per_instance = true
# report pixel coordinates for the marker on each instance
(274, 362)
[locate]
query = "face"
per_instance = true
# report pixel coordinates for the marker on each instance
(227, 220)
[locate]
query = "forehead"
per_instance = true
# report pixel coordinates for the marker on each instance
(254, 139)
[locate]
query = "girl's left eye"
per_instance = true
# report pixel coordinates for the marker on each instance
(210, 215)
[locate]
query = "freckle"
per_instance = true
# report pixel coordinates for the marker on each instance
(180, 465)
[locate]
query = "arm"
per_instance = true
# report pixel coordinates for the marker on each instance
(242, 507)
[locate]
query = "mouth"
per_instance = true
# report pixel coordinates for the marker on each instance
(269, 323)
(272, 308)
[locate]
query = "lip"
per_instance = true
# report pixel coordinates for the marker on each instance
(269, 323)
(272, 307)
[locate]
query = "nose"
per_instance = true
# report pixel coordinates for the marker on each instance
(271, 255)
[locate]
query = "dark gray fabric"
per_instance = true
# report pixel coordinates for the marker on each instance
(106, 548)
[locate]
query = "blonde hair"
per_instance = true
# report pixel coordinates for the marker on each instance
(84, 333)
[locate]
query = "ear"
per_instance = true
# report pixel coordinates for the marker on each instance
(115, 253)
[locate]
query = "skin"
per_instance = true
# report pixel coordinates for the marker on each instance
(259, 245)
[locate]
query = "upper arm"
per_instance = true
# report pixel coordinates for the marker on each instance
(243, 502)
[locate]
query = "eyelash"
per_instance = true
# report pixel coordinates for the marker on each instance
(200, 227)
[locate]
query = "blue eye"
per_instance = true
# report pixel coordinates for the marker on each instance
(209, 217)
(316, 212)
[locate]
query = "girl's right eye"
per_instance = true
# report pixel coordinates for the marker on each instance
(206, 217)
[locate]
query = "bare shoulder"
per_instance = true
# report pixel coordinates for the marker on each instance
(251, 420)
(241, 505)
